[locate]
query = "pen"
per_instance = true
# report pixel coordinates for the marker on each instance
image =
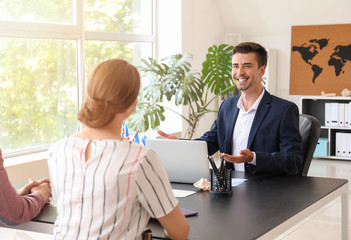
(214, 167)
(215, 170)
(221, 168)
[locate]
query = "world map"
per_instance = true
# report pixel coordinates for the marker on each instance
(339, 57)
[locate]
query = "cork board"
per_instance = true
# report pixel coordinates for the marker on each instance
(320, 59)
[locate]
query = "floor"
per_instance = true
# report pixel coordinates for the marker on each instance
(326, 223)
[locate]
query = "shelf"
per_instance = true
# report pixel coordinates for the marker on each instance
(336, 98)
(336, 128)
(332, 158)
(315, 106)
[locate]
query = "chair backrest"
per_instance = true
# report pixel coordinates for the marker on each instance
(310, 128)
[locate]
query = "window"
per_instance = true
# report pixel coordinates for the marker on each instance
(46, 49)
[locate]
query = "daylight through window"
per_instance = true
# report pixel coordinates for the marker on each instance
(46, 49)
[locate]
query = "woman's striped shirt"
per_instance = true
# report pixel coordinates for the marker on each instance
(110, 196)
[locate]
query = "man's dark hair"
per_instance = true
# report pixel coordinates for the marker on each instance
(249, 47)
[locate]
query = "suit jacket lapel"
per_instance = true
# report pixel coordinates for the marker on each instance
(230, 129)
(262, 110)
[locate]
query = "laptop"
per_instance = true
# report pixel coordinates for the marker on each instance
(185, 160)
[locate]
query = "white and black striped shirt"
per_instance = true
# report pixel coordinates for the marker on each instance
(110, 196)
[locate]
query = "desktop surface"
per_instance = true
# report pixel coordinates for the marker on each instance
(256, 207)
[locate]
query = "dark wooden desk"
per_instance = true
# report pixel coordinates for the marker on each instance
(260, 208)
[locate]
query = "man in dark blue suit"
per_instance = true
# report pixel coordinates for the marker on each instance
(255, 132)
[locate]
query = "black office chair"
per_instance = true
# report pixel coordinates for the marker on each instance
(310, 128)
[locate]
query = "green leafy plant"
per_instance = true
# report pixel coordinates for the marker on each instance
(173, 79)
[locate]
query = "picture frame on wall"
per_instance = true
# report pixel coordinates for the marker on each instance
(320, 59)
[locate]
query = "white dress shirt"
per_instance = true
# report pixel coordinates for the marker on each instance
(242, 130)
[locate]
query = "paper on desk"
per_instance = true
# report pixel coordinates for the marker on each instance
(237, 181)
(182, 193)
(21, 236)
(15, 234)
(203, 184)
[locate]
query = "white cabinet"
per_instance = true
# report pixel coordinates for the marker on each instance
(334, 114)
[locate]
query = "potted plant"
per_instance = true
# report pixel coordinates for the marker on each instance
(173, 79)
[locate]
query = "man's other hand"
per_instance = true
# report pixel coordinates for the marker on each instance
(166, 135)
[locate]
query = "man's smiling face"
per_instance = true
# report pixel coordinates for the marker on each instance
(245, 71)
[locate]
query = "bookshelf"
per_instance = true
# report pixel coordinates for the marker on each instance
(316, 106)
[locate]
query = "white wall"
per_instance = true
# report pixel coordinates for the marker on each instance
(202, 26)
(169, 35)
(267, 22)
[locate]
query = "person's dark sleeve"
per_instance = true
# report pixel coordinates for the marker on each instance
(211, 136)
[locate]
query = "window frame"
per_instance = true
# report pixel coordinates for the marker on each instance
(21, 29)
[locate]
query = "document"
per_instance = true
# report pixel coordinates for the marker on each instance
(16, 234)
(237, 181)
(178, 193)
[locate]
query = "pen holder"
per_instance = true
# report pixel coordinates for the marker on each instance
(221, 185)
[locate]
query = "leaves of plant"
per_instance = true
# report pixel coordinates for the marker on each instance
(216, 69)
(182, 83)
(174, 80)
(146, 116)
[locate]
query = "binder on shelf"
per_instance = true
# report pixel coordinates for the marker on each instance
(349, 114)
(341, 113)
(348, 154)
(347, 119)
(334, 114)
(344, 142)
(321, 148)
(338, 144)
(327, 113)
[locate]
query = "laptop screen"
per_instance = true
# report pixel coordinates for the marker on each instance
(185, 160)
